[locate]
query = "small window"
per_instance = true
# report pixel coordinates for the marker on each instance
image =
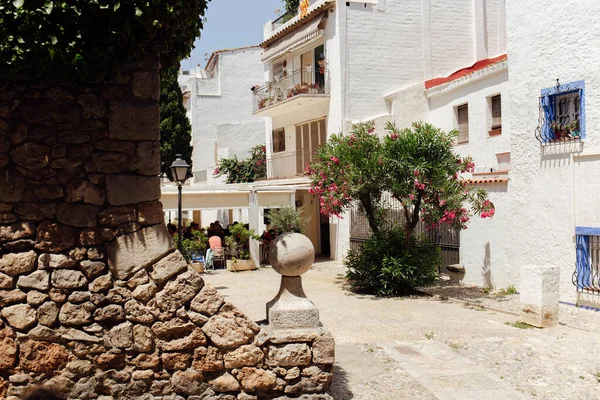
(562, 113)
(462, 118)
(279, 140)
(496, 112)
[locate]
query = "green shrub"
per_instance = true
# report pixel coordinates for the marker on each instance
(190, 247)
(238, 241)
(384, 266)
(288, 219)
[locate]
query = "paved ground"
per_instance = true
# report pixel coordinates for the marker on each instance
(425, 348)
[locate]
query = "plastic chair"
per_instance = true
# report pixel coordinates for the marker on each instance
(218, 255)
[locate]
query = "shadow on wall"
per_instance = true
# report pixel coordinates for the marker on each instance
(486, 271)
(559, 154)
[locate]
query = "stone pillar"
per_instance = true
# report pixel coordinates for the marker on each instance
(295, 337)
(540, 295)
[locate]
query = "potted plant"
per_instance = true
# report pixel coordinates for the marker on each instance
(193, 247)
(302, 88)
(238, 245)
(288, 219)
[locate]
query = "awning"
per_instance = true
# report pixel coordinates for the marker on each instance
(295, 39)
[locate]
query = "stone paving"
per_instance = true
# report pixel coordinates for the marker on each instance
(378, 342)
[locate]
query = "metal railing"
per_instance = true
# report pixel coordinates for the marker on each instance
(283, 18)
(586, 276)
(300, 82)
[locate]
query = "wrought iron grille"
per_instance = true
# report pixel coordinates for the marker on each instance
(585, 276)
(559, 115)
(299, 82)
(446, 237)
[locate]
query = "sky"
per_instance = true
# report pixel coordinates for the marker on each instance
(231, 23)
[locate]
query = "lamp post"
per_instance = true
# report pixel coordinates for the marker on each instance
(179, 171)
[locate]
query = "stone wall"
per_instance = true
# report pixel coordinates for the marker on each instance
(94, 299)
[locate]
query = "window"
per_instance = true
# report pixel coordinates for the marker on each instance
(562, 113)
(462, 118)
(496, 112)
(279, 140)
(309, 136)
(587, 261)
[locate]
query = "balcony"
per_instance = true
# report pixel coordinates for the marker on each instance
(300, 89)
(283, 165)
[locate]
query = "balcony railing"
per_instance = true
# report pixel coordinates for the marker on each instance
(300, 82)
(283, 165)
(283, 18)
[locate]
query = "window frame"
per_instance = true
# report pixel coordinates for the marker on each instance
(549, 96)
(499, 99)
(280, 141)
(458, 124)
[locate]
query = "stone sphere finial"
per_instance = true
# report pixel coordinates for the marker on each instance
(291, 254)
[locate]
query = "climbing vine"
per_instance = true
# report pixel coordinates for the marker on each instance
(79, 38)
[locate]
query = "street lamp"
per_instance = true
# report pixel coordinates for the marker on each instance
(179, 171)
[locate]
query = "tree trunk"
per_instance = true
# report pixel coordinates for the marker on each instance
(412, 220)
(370, 211)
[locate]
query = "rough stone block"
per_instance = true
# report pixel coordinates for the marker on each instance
(324, 349)
(14, 264)
(146, 85)
(53, 237)
(80, 215)
(12, 186)
(289, 355)
(130, 253)
(129, 189)
(539, 292)
(16, 231)
(134, 120)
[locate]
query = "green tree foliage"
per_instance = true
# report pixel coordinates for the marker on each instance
(416, 165)
(386, 266)
(249, 170)
(291, 6)
(196, 245)
(79, 38)
(175, 128)
(288, 219)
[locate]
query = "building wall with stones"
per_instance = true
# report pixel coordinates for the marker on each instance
(93, 298)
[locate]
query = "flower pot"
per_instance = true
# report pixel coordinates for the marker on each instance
(302, 90)
(198, 267)
(240, 265)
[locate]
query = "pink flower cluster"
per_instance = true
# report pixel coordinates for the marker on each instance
(216, 171)
(419, 185)
(335, 160)
(394, 136)
(488, 210)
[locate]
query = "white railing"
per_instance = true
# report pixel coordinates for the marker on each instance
(283, 165)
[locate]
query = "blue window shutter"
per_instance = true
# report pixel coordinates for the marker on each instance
(547, 131)
(584, 268)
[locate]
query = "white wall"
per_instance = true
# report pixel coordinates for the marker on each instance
(219, 104)
(540, 50)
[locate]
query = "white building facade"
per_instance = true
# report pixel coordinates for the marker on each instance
(351, 61)
(555, 214)
(218, 100)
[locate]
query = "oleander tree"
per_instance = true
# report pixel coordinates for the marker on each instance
(417, 166)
